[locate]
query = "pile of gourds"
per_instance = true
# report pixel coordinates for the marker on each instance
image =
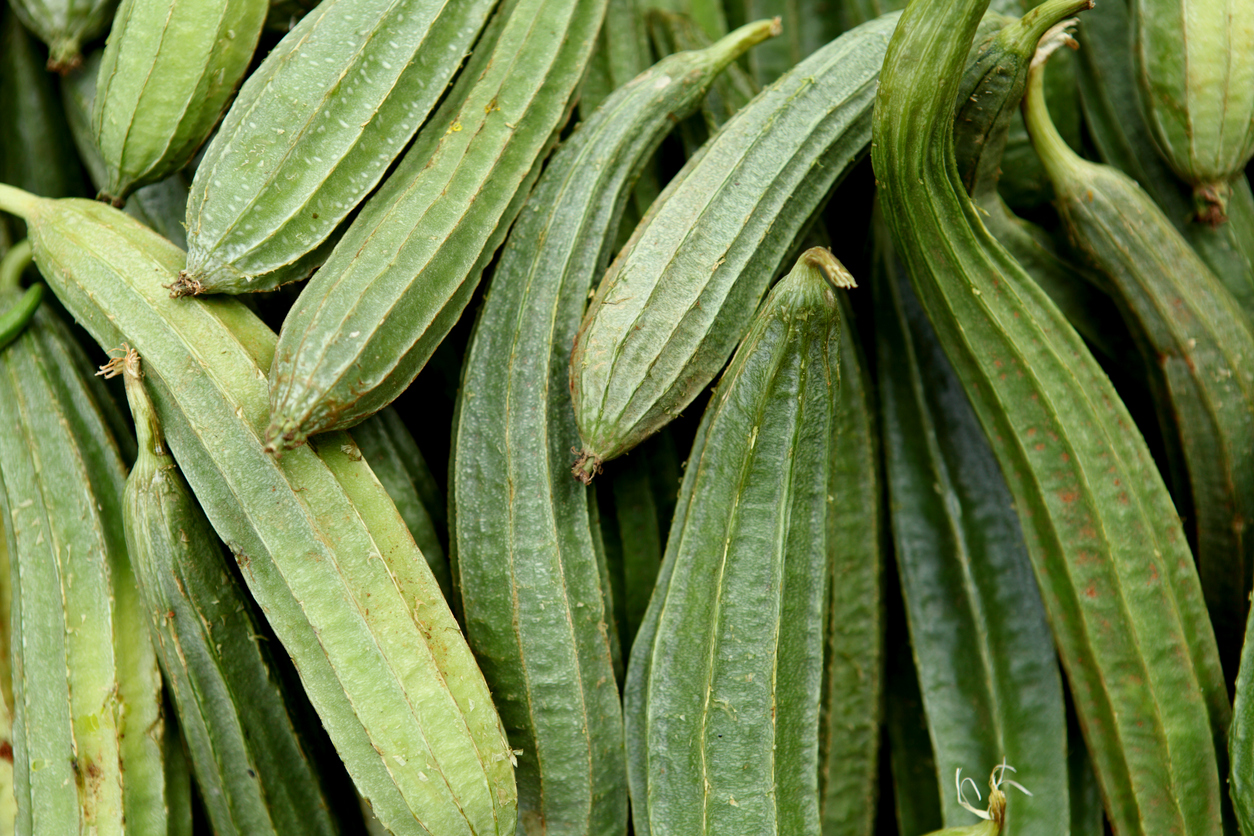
(708, 533)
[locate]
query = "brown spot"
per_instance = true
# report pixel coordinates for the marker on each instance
(1031, 431)
(1123, 498)
(1068, 496)
(1153, 578)
(1066, 457)
(6, 750)
(1040, 447)
(1091, 591)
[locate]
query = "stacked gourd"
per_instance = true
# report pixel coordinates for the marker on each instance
(720, 514)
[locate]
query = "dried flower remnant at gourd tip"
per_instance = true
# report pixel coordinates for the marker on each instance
(995, 816)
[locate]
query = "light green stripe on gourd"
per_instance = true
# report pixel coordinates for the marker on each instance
(1110, 557)
(680, 295)
(253, 776)
(1194, 62)
(321, 546)
(853, 687)
(65, 26)
(725, 678)
(986, 661)
(168, 70)
(394, 457)
(313, 131)
(371, 317)
(527, 552)
(87, 690)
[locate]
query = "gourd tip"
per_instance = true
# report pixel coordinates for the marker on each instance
(587, 465)
(282, 436)
(184, 285)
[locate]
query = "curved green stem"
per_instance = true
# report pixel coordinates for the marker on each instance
(15, 318)
(13, 264)
(18, 202)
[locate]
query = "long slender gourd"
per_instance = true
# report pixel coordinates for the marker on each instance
(88, 752)
(548, 648)
(253, 775)
(853, 685)
(371, 317)
(313, 131)
(1119, 584)
(987, 666)
(1199, 344)
(681, 294)
(1194, 64)
(168, 71)
(322, 548)
(719, 740)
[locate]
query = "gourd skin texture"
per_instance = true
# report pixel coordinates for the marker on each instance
(986, 660)
(370, 318)
(1197, 341)
(319, 543)
(313, 131)
(724, 685)
(853, 686)
(1118, 581)
(160, 205)
(86, 687)
(529, 561)
(680, 295)
(253, 776)
(166, 75)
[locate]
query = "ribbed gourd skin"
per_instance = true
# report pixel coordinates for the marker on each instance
(529, 561)
(65, 26)
(1118, 581)
(253, 774)
(988, 671)
(160, 205)
(319, 543)
(313, 131)
(681, 293)
(1199, 346)
(168, 70)
(86, 687)
(850, 721)
(723, 691)
(371, 317)
(1195, 76)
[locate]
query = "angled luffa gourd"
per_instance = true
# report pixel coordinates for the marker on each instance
(371, 317)
(1119, 584)
(319, 543)
(528, 556)
(681, 293)
(717, 743)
